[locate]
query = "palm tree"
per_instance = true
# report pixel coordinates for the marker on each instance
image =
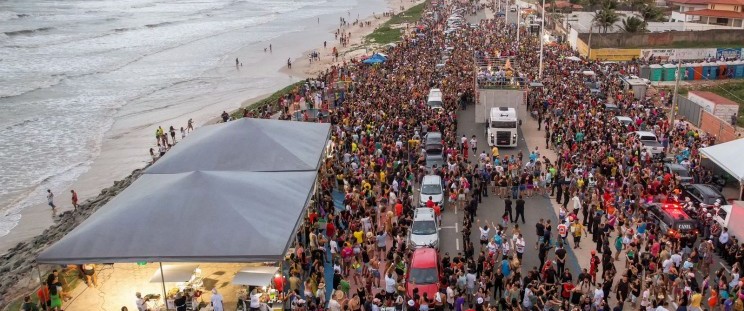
(638, 5)
(650, 12)
(634, 25)
(605, 19)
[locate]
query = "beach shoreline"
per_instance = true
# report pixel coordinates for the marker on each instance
(37, 229)
(117, 162)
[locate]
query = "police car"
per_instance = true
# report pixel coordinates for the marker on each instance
(671, 219)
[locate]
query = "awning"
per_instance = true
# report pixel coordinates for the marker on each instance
(255, 145)
(175, 273)
(255, 276)
(727, 157)
(192, 217)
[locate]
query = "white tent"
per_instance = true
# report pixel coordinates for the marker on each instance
(727, 157)
(174, 273)
(255, 276)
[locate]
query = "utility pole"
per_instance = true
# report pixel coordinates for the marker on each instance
(589, 43)
(542, 40)
(675, 97)
(518, 22)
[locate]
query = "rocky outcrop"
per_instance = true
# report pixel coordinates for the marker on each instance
(16, 278)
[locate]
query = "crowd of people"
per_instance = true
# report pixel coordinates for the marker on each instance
(601, 180)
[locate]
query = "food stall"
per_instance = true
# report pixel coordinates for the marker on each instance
(176, 278)
(263, 280)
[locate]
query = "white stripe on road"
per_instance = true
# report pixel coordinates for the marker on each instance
(449, 227)
(456, 229)
(457, 244)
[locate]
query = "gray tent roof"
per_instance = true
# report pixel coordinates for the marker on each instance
(248, 144)
(192, 217)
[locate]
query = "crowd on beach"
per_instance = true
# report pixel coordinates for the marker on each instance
(601, 180)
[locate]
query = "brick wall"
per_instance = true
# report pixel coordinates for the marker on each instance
(650, 39)
(713, 125)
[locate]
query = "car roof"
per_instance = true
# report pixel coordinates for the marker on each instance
(621, 118)
(432, 179)
(644, 133)
(706, 189)
(674, 166)
(425, 257)
(424, 214)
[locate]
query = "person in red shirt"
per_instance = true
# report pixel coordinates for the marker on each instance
(399, 209)
(44, 299)
(438, 213)
(430, 203)
(330, 228)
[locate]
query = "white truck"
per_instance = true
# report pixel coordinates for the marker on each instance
(650, 143)
(502, 127)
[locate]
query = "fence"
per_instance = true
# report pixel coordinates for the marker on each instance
(689, 110)
(721, 129)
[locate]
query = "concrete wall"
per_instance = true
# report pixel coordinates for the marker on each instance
(489, 98)
(649, 40)
(721, 129)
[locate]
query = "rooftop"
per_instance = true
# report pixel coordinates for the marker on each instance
(706, 2)
(716, 13)
(713, 97)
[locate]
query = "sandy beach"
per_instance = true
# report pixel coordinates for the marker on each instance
(126, 141)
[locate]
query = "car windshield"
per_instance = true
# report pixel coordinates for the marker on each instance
(503, 124)
(423, 227)
(433, 151)
(682, 172)
(431, 189)
(423, 276)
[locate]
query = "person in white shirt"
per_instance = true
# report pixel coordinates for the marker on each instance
(140, 302)
(598, 296)
(216, 300)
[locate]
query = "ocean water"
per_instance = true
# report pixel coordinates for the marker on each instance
(72, 71)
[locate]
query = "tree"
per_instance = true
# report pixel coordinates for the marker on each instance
(650, 12)
(634, 25)
(605, 19)
(638, 5)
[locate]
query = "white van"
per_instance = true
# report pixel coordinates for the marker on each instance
(431, 186)
(434, 100)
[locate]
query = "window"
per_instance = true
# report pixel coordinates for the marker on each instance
(712, 6)
(424, 227)
(504, 124)
(423, 276)
(736, 8)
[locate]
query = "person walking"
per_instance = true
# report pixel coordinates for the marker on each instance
(74, 199)
(50, 199)
(520, 209)
(508, 209)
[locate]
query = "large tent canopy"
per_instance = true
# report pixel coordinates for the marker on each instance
(192, 217)
(248, 144)
(727, 157)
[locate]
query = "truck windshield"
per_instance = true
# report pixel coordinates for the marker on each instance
(504, 124)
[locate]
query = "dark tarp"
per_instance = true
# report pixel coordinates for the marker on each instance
(248, 144)
(192, 217)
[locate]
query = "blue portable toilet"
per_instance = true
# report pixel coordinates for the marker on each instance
(712, 71)
(739, 69)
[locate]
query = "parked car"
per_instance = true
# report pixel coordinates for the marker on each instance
(431, 186)
(424, 273)
(702, 193)
(610, 107)
(424, 230)
(681, 172)
(625, 121)
(650, 143)
(671, 219)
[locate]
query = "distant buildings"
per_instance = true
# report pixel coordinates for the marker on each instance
(728, 13)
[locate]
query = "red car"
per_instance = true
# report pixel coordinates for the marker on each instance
(424, 273)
